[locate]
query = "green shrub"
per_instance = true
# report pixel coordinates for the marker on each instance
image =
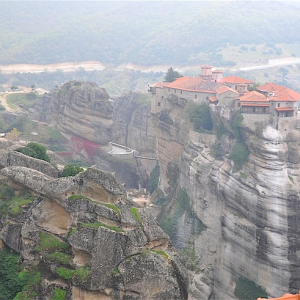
(11, 204)
(239, 154)
(60, 257)
(135, 213)
(200, 116)
(59, 294)
(217, 149)
(11, 282)
(83, 273)
(48, 242)
(71, 170)
(184, 200)
(29, 290)
(35, 150)
(65, 273)
(246, 289)
(154, 179)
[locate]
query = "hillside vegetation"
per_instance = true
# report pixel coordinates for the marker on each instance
(145, 33)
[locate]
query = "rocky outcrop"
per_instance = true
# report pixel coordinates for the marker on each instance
(85, 238)
(82, 109)
(251, 225)
(13, 158)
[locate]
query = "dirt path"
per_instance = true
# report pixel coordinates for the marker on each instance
(4, 102)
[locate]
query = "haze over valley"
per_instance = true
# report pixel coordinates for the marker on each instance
(149, 150)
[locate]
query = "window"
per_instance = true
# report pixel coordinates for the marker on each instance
(195, 96)
(158, 103)
(180, 92)
(278, 105)
(162, 97)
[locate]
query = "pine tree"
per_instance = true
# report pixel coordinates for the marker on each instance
(171, 75)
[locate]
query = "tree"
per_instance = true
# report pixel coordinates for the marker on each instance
(200, 116)
(35, 150)
(254, 87)
(71, 170)
(13, 135)
(13, 87)
(171, 75)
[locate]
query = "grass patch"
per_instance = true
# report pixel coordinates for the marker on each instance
(112, 207)
(246, 289)
(14, 206)
(162, 253)
(48, 242)
(243, 175)
(135, 213)
(74, 230)
(60, 257)
(99, 224)
(25, 99)
(10, 203)
(81, 273)
(65, 273)
(115, 271)
(75, 197)
(59, 294)
(291, 178)
(29, 291)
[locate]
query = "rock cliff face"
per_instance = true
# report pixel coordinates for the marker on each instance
(84, 110)
(132, 124)
(235, 225)
(85, 238)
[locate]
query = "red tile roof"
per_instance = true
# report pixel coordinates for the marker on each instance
(194, 84)
(158, 84)
(284, 109)
(253, 97)
(279, 93)
(213, 98)
(235, 80)
(255, 104)
(224, 88)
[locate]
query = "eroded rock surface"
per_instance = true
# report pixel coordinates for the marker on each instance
(83, 109)
(113, 250)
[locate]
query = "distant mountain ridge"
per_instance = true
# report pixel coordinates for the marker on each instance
(146, 33)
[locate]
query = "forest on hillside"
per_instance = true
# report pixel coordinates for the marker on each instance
(147, 33)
